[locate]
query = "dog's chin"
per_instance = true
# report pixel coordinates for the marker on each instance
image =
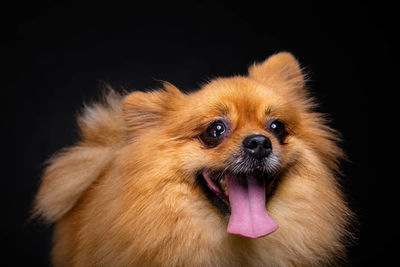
(214, 185)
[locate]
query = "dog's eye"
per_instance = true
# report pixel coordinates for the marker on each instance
(216, 129)
(278, 128)
(214, 134)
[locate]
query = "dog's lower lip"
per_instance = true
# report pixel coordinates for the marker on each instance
(216, 183)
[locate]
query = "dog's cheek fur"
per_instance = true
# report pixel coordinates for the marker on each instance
(150, 223)
(311, 213)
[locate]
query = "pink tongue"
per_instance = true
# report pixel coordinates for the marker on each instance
(249, 217)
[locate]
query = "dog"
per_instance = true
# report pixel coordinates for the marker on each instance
(243, 172)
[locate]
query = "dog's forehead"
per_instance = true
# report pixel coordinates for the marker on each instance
(239, 95)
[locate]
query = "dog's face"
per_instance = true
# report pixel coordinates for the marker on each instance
(244, 141)
(233, 137)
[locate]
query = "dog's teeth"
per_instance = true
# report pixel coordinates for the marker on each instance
(223, 186)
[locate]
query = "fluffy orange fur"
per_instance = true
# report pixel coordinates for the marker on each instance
(126, 193)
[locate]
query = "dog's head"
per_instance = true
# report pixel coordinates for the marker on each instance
(161, 175)
(234, 137)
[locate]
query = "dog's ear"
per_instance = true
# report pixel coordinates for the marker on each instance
(279, 70)
(144, 109)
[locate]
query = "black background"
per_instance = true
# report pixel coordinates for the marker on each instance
(57, 53)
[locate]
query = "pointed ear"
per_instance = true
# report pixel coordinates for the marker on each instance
(143, 109)
(277, 70)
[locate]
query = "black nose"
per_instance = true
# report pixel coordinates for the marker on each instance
(259, 146)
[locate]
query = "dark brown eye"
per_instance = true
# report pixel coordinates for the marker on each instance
(277, 128)
(214, 134)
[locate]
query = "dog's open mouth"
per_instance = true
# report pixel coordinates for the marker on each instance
(245, 196)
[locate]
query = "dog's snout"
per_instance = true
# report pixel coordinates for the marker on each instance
(258, 146)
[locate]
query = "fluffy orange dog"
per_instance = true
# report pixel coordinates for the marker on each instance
(239, 173)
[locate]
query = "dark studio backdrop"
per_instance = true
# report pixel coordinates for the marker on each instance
(57, 53)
